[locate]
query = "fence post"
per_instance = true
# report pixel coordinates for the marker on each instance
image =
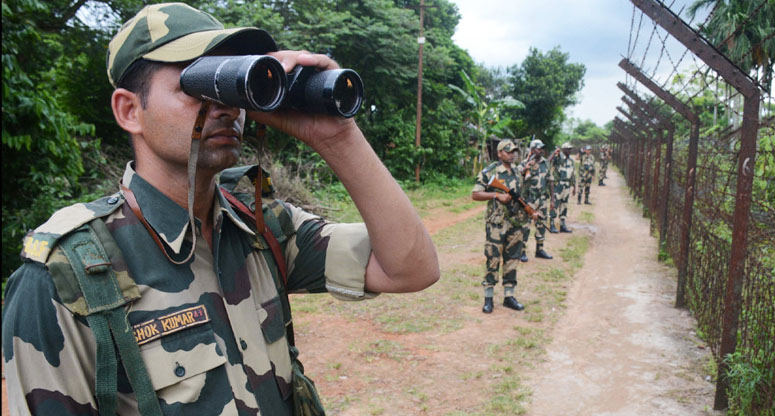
(686, 223)
(746, 162)
(668, 183)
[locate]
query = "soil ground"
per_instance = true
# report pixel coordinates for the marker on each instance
(599, 335)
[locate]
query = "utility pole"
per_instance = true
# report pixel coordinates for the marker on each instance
(418, 124)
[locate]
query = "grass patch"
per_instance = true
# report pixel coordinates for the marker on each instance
(507, 398)
(573, 253)
(587, 217)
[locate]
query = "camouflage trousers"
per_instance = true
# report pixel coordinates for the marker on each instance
(541, 206)
(561, 195)
(584, 183)
(504, 241)
(603, 169)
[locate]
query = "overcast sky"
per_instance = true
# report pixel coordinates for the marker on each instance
(592, 32)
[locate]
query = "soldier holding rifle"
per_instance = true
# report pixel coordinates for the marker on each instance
(605, 156)
(565, 177)
(538, 188)
(503, 221)
(586, 173)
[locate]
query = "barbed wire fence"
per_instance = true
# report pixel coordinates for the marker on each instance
(696, 143)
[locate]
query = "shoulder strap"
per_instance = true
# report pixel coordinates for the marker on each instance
(99, 286)
(271, 240)
(274, 246)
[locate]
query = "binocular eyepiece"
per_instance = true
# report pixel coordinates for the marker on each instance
(259, 83)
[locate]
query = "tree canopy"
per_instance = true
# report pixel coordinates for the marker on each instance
(547, 84)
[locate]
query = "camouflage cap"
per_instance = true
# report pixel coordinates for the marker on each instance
(567, 145)
(176, 32)
(506, 145)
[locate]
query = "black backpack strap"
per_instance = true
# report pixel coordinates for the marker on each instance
(89, 249)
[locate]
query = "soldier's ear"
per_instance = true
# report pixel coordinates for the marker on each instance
(127, 109)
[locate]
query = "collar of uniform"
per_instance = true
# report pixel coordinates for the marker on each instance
(166, 217)
(223, 206)
(502, 167)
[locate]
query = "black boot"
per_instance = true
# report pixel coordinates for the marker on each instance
(541, 254)
(586, 201)
(512, 303)
(523, 259)
(487, 305)
(552, 229)
(579, 200)
(600, 183)
(564, 229)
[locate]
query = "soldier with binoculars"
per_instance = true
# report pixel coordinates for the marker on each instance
(170, 296)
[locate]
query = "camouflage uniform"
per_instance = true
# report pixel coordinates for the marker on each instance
(211, 331)
(604, 158)
(586, 173)
(536, 195)
(564, 179)
(503, 225)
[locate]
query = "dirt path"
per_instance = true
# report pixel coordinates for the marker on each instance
(621, 348)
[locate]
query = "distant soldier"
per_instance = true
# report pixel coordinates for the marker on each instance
(503, 223)
(565, 179)
(538, 189)
(605, 156)
(586, 173)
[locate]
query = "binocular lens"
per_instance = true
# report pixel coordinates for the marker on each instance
(348, 94)
(253, 82)
(264, 85)
(336, 92)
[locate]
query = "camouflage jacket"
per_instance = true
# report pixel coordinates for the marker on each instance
(497, 212)
(536, 180)
(604, 157)
(587, 166)
(211, 331)
(564, 170)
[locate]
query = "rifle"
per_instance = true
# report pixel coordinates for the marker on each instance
(498, 184)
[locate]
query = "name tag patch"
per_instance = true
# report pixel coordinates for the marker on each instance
(168, 324)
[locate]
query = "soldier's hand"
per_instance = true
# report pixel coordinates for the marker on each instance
(535, 215)
(504, 198)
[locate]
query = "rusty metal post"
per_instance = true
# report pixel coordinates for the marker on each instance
(745, 165)
(657, 163)
(668, 183)
(686, 223)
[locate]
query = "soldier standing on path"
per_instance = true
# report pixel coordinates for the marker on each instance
(538, 188)
(565, 176)
(605, 156)
(503, 222)
(586, 173)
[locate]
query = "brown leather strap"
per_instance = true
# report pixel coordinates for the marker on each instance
(258, 185)
(132, 202)
(274, 245)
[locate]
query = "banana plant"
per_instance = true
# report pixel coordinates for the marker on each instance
(485, 116)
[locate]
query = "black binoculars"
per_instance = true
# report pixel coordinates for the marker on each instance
(259, 83)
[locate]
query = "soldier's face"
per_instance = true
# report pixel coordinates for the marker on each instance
(168, 120)
(507, 157)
